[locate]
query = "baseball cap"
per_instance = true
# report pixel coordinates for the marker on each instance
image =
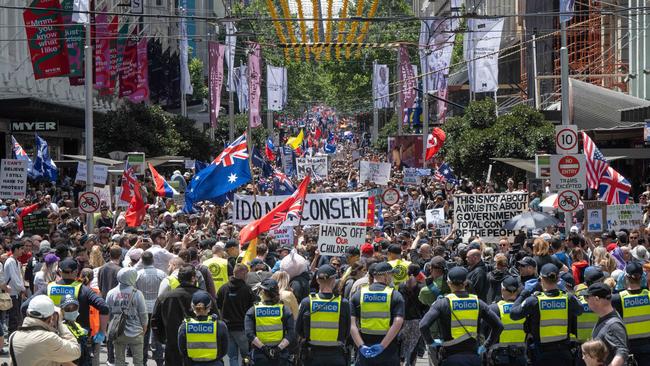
(367, 249)
(41, 306)
(51, 258)
(457, 275)
(68, 265)
(3, 207)
(325, 271)
(68, 300)
(527, 261)
(600, 290)
(593, 275)
(549, 270)
(231, 243)
(116, 237)
(382, 268)
(634, 269)
(510, 283)
(394, 249)
(135, 255)
(201, 297)
(284, 247)
(269, 285)
(568, 279)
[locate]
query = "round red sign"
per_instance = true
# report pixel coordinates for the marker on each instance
(568, 166)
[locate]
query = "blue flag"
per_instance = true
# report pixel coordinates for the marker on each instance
(282, 185)
(228, 171)
(446, 174)
(43, 164)
(260, 162)
(20, 154)
(199, 165)
(329, 149)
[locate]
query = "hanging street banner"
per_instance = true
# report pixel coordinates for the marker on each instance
(315, 166)
(129, 68)
(254, 86)
(380, 90)
(628, 217)
(102, 51)
(484, 215)
(379, 173)
(334, 240)
(141, 92)
(276, 87)
(114, 58)
(13, 179)
(481, 44)
(330, 208)
(408, 82)
(216, 52)
(74, 40)
(46, 39)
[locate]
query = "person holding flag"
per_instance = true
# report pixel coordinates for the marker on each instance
(163, 189)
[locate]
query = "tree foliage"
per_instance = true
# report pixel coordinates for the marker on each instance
(479, 135)
(200, 89)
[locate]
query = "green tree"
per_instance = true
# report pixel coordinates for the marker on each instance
(479, 135)
(197, 79)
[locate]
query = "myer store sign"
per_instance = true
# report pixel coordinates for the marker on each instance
(19, 126)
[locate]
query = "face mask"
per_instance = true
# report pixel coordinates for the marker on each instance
(71, 316)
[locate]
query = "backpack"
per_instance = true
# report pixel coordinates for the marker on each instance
(117, 325)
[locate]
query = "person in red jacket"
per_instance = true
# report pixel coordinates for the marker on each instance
(22, 212)
(578, 265)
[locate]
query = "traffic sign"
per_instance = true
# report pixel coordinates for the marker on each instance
(566, 139)
(568, 200)
(568, 172)
(89, 202)
(390, 196)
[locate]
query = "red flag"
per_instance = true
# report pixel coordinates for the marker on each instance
(135, 213)
(128, 183)
(292, 206)
(435, 141)
(317, 133)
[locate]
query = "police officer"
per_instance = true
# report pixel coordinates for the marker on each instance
(202, 339)
(459, 314)
(69, 312)
(548, 315)
(86, 297)
(401, 266)
(324, 323)
(634, 306)
(511, 347)
(269, 327)
(377, 317)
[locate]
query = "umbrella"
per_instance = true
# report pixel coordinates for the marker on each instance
(531, 220)
(551, 202)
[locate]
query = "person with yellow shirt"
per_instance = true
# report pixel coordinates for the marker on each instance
(400, 265)
(218, 266)
(511, 347)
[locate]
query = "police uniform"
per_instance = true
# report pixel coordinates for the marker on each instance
(511, 346)
(270, 323)
(324, 323)
(548, 316)
(634, 308)
(218, 268)
(77, 331)
(460, 314)
(376, 306)
(203, 340)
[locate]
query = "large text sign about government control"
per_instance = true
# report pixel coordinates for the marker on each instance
(331, 208)
(485, 214)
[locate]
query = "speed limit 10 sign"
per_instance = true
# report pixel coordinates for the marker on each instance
(566, 139)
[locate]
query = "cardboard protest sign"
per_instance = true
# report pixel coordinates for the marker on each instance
(485, 214)
(595, 216)
(283, 235)
(378, 173)
(99, 176)
(104, 194)
(314, 166)
(627, 217)
(331, 208)
(13, 179)
(435, 216)
(334, 240)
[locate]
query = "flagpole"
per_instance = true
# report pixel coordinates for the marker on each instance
(88, 83)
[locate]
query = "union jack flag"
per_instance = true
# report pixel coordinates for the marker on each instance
(613, 187)
(294, 212)
(128, 182)
(18, 150)
(238, 149)
(596, 162)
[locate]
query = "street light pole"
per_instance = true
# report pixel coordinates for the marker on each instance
(88, 85)
(564, 62)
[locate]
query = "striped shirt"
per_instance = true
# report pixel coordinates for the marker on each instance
(149, 279)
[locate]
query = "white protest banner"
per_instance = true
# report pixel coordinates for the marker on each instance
(413, 176)
(315, 166)
(334, 240)
(104, 194)
(485, 214)
(100, 173)
(627, 217)
(435, 216)
(443, 229)
(118, 200)
(283, 235)
(13, 179)
(378, 173)
(331, 208)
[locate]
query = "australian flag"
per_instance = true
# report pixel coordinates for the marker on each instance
(228, 171)
(43, 164)
(200, 165)
(445, 174)
(20, 154)
(282, 185)
(260, 162)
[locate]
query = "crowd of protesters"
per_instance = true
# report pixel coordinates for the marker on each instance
(160, 277)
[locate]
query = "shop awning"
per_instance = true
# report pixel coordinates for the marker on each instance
(96, 159)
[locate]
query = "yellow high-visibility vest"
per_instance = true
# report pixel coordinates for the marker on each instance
(586, 321)
(513, 330)
(464, 314)
(324, 320)
(219, 270)
(375, 310)
(201, 337)
(173, 282)
(268, 323)
(58, 292)
(402, 268)
(553, 317)
(636, 314)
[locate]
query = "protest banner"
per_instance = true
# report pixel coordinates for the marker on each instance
(595, 215)
(13, 179)
(288, 166)
(413, 176)
(485, 214)
(331, 208)
(435, 216)
(99, 176)
(104, 194)
(334, 240)
(626, 217)
(36, 224)
(378, 173)
(314, 166)
(443, 230)
(283, 236)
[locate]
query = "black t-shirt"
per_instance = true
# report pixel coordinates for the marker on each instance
(541, 261)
